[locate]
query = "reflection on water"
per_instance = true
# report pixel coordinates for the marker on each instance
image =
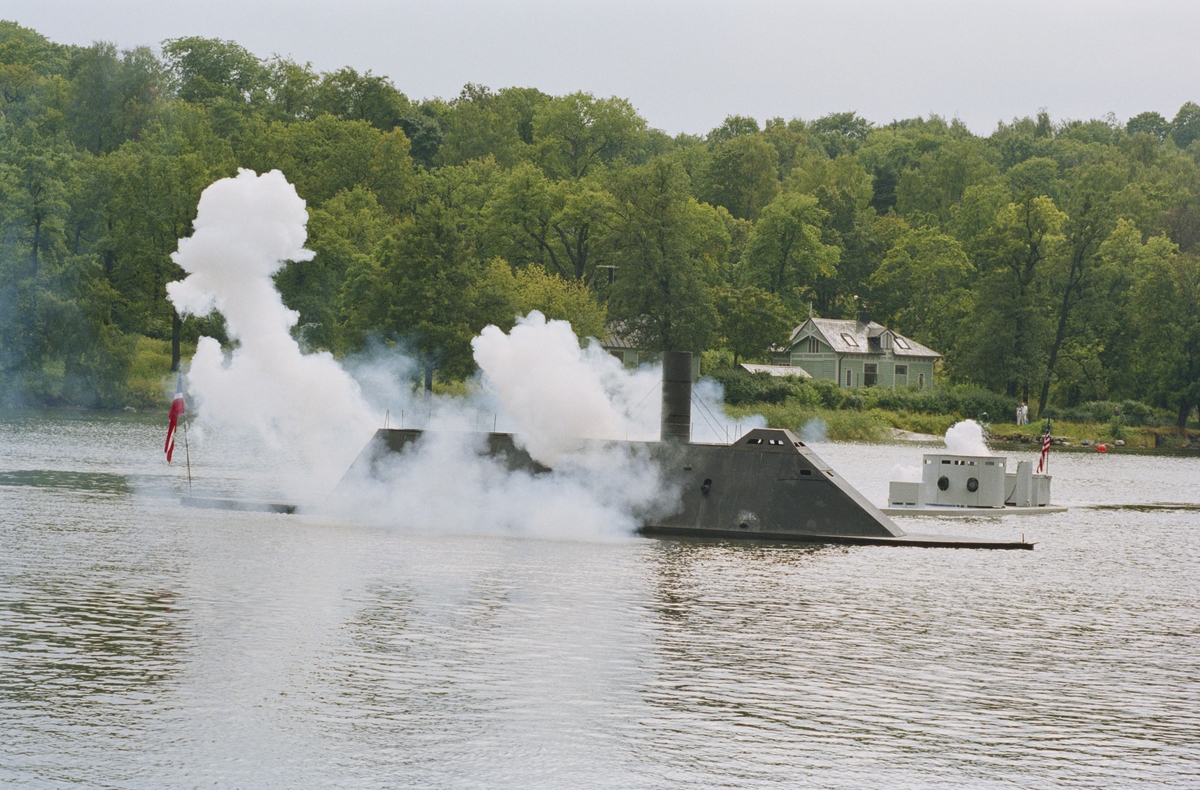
(87, 645)
(99, 482)
(1151, 506)
(147, 645)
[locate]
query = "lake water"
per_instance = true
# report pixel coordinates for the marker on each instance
(147, 645)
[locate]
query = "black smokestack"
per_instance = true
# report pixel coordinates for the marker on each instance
(677, 397)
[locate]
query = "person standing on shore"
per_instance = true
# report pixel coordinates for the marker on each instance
(1022, 414)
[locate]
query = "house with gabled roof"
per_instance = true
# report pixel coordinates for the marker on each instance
(857, 353)
(623, 345)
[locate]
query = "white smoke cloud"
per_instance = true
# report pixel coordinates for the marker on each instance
(558, 393)
(303, 407)
(966, 438)
(905, 474)
(564, 404)
(815, 431)
(710, 423)
(447, 482)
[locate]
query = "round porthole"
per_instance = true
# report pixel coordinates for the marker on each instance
(972, 485)
(943, 482)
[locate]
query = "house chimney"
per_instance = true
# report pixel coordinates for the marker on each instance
(677, 397)
(864, 317)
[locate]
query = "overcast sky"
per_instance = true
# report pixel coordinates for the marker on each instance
(685, 66)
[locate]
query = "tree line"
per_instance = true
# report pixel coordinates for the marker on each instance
(1057, 262)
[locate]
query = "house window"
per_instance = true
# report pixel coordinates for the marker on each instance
(849, 340)
(814, 345)
(849, 378)
(902, 343)
(870, 374)
(902, 370)
(920, 381)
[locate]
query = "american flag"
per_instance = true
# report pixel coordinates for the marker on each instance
(176, 411)
(1043, 461)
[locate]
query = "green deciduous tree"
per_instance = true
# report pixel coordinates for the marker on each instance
(155, 188)
(667, 246)
(1185, 129)
(343, 232)
(1010, 324)
(112, 96)
(483, 123)
(531, 220)
(741, 174)
(577, 134)
(1150, 123)
(843, 190)
(940, 179)
(839, 133)
(1075, 282)
(751, 320)
(922, 287)
(1166, 306)
(366, 97)
(411, 291)
(784, 254)
(329, 155)
(209, 69)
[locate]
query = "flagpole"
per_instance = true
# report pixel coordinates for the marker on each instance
(188, 453)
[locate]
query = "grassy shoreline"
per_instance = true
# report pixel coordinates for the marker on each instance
(878, 425)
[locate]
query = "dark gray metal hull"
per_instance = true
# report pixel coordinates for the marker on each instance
(767, 486)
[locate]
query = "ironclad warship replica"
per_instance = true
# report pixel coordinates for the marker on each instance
(767, 485)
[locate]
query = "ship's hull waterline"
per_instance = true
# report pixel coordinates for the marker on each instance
(766, 486)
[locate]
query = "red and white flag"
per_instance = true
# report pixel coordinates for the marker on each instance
(176, 411)
(1043, 460)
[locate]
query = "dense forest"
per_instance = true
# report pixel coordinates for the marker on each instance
(1057, 262)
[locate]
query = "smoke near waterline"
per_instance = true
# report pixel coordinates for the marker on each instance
(962, 438)
(311, 416)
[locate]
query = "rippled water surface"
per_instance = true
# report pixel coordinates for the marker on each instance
(143, 644)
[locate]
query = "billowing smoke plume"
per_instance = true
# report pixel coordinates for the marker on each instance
(304, 407)
(558, 393)
(563, 403)
(558, 399)
(966, 438)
